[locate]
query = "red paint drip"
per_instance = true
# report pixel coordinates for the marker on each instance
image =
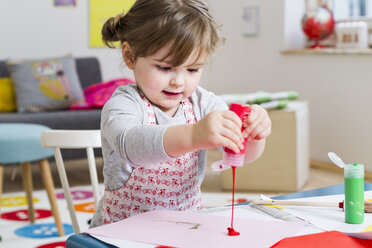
(231, 230)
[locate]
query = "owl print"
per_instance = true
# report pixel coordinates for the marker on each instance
(52, 80)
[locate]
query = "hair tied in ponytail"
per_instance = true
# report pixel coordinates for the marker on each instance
(117, 19)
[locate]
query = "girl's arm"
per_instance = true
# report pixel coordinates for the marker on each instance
(218, 128)
(178, 140)
(125, 135)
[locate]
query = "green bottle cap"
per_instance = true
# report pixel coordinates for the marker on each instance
(355, 170)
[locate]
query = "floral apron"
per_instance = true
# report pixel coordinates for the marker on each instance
(171, 185)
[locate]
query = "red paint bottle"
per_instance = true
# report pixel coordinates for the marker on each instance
(229, 157)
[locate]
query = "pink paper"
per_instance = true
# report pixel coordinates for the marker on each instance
(191, 229)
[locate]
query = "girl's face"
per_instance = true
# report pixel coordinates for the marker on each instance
(166, 86)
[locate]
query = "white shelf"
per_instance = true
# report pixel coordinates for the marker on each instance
(332, 51)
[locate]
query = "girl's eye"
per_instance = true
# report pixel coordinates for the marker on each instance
(163, 68)
(192, 70)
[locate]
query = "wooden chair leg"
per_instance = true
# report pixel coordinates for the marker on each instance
(1, 184)
(49, 186)
(27, 185)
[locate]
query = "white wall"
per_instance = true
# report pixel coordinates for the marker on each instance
(337, 87)
(36, 29)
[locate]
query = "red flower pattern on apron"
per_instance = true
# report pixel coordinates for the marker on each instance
(171, 185)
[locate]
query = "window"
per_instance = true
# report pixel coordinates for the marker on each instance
(350, 9)
(345, 9)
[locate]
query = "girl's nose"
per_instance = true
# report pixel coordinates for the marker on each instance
(177, 81)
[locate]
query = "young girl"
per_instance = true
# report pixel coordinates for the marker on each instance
(155, 134)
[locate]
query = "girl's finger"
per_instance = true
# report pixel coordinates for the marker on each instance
(235, 139)
(265, 124)
(258, 119)
(264, 134)
(252, 117)
(233, 117)
(230, 144)
(229, 124)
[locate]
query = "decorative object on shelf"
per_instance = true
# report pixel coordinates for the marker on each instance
(267, 100)
(318, 24)
(352, 35)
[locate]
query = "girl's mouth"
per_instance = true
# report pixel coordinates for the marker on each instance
(171, 94)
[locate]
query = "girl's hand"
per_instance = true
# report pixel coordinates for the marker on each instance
(258, 124)
(218, 128)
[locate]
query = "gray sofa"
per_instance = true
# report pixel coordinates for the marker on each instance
(89, 73)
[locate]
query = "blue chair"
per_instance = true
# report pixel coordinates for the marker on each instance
(20, 144)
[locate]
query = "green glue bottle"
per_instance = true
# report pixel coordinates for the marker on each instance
(354, 193)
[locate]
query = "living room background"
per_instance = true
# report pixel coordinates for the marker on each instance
(337, 87)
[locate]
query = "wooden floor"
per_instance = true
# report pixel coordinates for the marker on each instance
(77, 173)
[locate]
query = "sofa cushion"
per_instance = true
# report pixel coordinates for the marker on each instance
(98, 94)
(7, 96)
(46, 84)
(89, 71)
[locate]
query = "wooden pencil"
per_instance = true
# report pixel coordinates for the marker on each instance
(296, 203)
(367, 204)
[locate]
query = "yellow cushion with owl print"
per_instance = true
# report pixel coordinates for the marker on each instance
(7, 95)
(45, 84)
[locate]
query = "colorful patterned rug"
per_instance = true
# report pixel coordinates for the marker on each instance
(16, 230)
